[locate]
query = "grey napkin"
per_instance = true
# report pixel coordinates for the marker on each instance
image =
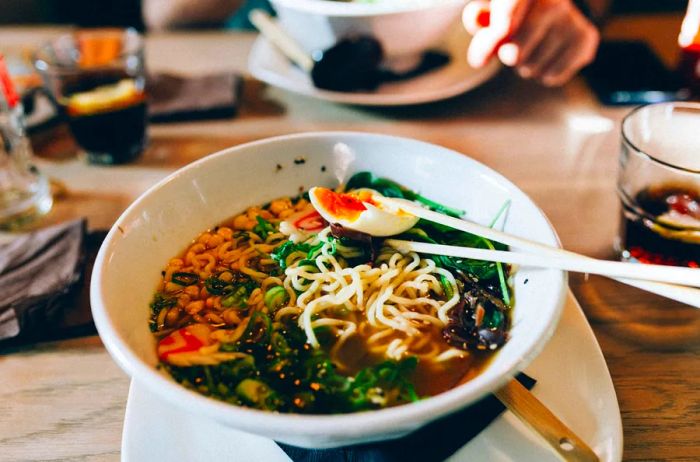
(41, 273)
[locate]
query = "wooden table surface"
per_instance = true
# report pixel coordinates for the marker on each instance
(65, 400)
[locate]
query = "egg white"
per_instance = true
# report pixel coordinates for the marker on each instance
(375, 221)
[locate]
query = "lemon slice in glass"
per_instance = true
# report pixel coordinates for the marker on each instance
(104, 98)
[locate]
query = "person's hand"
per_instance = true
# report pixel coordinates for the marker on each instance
(546, 40)
(691, 24)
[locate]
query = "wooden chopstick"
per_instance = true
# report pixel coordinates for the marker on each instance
(278, 37)
(683, 294)
(521, 402)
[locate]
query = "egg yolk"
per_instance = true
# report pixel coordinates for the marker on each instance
(343, 206)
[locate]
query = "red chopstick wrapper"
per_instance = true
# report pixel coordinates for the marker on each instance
(8, 88)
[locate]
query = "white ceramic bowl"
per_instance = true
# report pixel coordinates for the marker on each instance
(405, 28)
(161, 223)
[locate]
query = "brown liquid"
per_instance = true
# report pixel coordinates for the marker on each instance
(429, 378)
(119, 134)
(648, 234)
(112, 135)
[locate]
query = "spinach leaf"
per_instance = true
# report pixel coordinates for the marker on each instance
(159, 303)
(434, 233)
(282, 372)
(228, 282)
(282, 253)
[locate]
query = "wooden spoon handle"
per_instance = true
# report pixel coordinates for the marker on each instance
(278, 37)
(530, 410)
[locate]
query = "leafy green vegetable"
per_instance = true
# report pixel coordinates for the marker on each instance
(314, 250)
(217, 285)
(446, 287)
(499, 266)
(263, 228)
(426, 231)
(230, 286)
(372, 384)
(259, 328)
(282, 372)
(282, 253)
(391, 188)
(493, 319)
(159, 303)
(440, 234)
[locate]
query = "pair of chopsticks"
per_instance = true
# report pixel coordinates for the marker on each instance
(676, 283)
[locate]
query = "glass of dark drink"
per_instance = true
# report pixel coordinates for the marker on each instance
(97, 80)
(659, 185)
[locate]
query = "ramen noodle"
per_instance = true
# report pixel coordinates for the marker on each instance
(278, 309)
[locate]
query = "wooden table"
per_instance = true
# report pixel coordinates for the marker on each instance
(65, 400)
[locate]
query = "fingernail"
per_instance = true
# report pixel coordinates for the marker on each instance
(508, 54)
(525, 72)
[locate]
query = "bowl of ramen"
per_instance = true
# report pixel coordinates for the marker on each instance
(255, 287)
(403, 28)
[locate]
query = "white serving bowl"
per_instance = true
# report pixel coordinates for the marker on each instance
(405, 28)
(161, 223)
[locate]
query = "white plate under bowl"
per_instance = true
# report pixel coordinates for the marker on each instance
(572, 380)
(165, 218)
(266, 63)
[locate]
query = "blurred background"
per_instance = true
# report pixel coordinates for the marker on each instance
(91, 13)
(79, 12)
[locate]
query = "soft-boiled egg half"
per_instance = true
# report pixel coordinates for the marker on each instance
(359, 211)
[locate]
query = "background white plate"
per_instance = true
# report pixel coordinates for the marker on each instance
(266, 63)
(572, 380)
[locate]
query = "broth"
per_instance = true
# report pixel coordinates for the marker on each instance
(315, 323)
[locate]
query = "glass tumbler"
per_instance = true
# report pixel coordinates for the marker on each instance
(659, 185)
(96, 78)
(24, 192)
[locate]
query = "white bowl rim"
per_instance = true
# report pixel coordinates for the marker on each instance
(290, 424)
(352, 9)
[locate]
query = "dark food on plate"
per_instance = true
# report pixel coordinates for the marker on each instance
(351, 64)
(277, 309)
(355, 64)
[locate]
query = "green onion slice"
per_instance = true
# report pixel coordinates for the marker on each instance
(275, 297)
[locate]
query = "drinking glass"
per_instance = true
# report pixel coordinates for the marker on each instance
(659, 185)
(24, 191)
(97, 80)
